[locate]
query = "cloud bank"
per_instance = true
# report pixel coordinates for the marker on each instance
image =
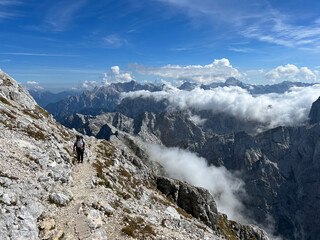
(187, 166)
(218, 71)
(288, 109)
(291, 72)
(221, 69)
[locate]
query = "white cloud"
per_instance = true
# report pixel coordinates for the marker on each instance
(32, 83)
(288, 109)
(115, 69)
(198, 120)
(291, 72)
(187, 166)
(89, 84)
(218, 71)
(116, 75)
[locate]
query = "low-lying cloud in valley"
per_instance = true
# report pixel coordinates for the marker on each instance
(186, 166)
(288, 109)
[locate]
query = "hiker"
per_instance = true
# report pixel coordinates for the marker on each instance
(80, 146)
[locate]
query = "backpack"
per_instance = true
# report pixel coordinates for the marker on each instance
(82, 143)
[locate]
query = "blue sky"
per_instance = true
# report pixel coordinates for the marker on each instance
(62, 44)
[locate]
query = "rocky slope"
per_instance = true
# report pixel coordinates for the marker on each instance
(113, 195)
(279, 167)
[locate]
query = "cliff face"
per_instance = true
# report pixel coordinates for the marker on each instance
(314, 115)
(114, 194)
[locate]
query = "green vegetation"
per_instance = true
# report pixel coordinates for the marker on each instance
(5, 101)
(106, 149)
(32, 159)
(31, 114)
(40, 110)
(147, 230)
(201, 227)
(128, 230)
(38, 135)
(2, 174)
(9, 114)
(230, 229)
(127, 210)
(183, 212)
(137, 228)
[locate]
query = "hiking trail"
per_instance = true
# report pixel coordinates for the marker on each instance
(71, 218)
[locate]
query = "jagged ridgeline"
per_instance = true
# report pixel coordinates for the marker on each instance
(279, 167)
(115, 194)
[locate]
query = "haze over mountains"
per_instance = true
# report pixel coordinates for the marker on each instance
(267, 135)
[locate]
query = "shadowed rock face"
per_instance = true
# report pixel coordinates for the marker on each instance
(314, 115)
(200, 204)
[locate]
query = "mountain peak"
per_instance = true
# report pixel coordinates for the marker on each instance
(13, 92)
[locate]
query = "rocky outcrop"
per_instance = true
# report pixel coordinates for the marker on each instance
(314, 115)
(196, 201)
(200, 204)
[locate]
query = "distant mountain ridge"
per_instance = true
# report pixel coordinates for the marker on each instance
(107, 98)
(44, 97)
(100, 99)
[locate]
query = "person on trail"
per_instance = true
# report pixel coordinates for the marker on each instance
(80, 146)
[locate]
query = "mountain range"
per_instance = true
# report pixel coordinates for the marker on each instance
(117, 193)
(279, 166)
(104, 99)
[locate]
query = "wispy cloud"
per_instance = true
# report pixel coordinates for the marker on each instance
(5, 60)
(114, 41)
(38, 54)
(4, 15)
(253, 20)
(241, 50)
(7, 11)
(59, 17)
(9, 2)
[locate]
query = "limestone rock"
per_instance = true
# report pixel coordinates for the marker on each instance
(194, 200)
(172, 212)
(59, 199)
